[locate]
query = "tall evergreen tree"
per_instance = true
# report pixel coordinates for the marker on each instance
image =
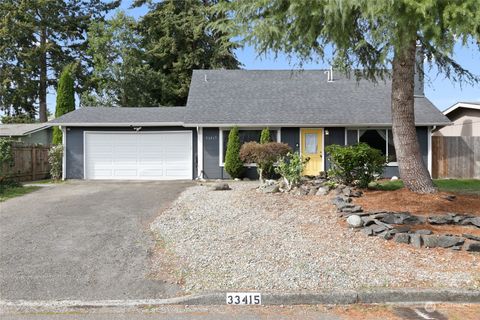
(372, 36)
(65, 99)
(177, 39)
(38, 38)
(120, 76)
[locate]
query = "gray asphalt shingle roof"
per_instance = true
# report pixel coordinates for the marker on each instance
(122, 116)
(266, 97)
(20, 129)
(293, 98)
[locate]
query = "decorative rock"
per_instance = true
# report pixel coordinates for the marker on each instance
(237, 179)
(456, 248)
(343, 205)
(312, 191)
(402, 238)
(269, 182)
(472, 246)
(377, 228)
(441, 241)
(353, 209)
(475, 221)
(385, 235)
(400, 229)
(221, 187)
(347, 191)
(356, 193)
(354, 221)
(246, 179)
(273, 188)
(323, 191)
(449, 197)
(416, 240)
(423, 232)
(471, 237)
(368, 231)
(393, 178)
(447, 219)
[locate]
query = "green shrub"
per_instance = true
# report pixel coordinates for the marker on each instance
(55, 155)
(290, 168)
(264, 155)
(265, 136)
(233, 163)
(357, 164)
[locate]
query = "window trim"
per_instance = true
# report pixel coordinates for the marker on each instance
(221, 161)
(389, 164)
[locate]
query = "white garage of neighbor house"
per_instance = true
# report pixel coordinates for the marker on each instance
(302, 109)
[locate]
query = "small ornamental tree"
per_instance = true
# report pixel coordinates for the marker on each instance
(358, 164)
(233, 163)
(290, 168)
(264, 155)
(65, 99)
(265, 136)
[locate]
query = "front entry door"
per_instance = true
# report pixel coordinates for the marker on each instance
(312, 147)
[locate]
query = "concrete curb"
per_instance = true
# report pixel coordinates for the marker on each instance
(390, 296)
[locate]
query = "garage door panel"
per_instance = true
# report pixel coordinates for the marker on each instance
(142, 155)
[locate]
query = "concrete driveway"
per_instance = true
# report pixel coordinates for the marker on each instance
(83, 240)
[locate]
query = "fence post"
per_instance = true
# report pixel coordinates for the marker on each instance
(34, 163)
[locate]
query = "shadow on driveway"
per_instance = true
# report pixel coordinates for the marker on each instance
(83, 240)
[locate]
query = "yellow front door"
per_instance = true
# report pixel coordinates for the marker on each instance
(312, 147)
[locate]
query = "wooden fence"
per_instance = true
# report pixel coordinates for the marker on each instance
(456, 157)
(29, 163)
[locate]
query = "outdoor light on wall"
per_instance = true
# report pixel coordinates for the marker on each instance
(327, 132)
(137, 128)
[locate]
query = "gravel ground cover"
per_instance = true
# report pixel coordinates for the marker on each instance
(245, 239)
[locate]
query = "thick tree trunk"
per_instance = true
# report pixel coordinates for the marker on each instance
(42, 94)
(413, 171)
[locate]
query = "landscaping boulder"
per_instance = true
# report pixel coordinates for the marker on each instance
(446, 219)
(472, 246)
(352, 209)
(442, 241)
(416, 240)
(273, 188)
(368, 231)
(323, 191)
(220, 186)
(424, 232)
(400, 229)
(402, 238)
(471, 237)
(354, 221)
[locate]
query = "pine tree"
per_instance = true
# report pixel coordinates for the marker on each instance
(65, 99)
(233, 163)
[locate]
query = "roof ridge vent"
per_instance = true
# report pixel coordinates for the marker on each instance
(329, 74)
(206, 79)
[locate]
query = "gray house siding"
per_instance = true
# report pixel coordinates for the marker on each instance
(74, 149)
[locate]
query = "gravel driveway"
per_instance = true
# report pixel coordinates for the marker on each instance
(83, 240)
(243, 239)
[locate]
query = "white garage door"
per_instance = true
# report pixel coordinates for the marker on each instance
(138, 155)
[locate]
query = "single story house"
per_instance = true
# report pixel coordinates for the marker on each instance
(305, 109)
(28, 133)
(466, 120)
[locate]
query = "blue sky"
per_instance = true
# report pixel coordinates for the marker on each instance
(441, 91)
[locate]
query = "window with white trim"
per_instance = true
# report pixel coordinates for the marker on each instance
(381, 139)
(245, 135)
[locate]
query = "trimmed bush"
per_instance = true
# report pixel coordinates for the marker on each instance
(55, 155)
(264, 155)
(290, 168)
(355, 165)
(233, 163)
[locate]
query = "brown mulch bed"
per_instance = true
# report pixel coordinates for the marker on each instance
(419, 204)
(424, 205)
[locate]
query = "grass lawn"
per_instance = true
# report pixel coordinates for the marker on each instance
(468, 186)
(16, 192)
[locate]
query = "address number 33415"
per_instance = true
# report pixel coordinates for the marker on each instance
(244, 298)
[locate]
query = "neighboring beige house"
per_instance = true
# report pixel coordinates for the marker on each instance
(466, 120)
(28, 133)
